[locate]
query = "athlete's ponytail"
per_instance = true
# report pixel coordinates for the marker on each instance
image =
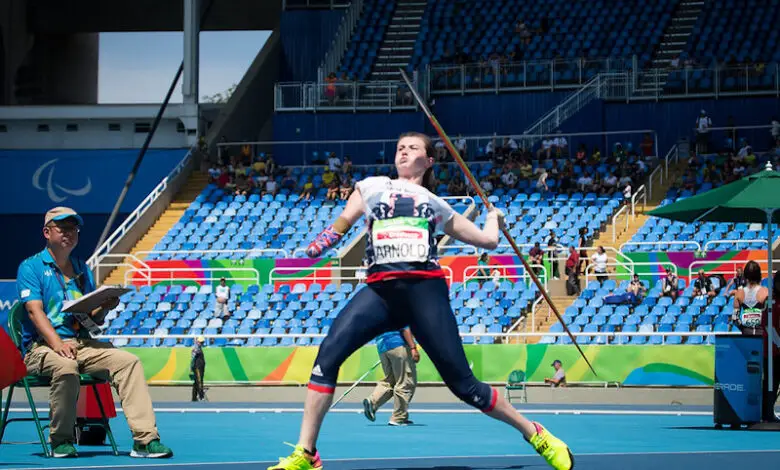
(428, 180)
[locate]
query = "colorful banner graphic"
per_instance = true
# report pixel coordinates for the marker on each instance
(677, 365)
(688, 263)
(289, 271)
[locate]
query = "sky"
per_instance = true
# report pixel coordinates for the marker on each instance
(139, 67)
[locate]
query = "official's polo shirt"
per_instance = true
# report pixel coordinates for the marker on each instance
(39, 278)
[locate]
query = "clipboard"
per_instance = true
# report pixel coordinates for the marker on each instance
(84, 305)
(88, 303)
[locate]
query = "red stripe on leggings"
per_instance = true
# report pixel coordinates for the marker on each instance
(321, 388)
(493, 400)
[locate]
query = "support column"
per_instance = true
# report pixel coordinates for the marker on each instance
(190, 78)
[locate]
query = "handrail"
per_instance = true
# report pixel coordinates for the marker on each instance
(676, 158)
(737, 242)
(543, 277)
(639, 192)
(237, 251)
(135, 262)
(614, 221)
(590, 267)
(434, 139)
(139, 211)
(462, 335)
(173, 279)
(652, 177)
(457, 247)
(734, 263)
(340, 42)
(277, 271)
(671, 242)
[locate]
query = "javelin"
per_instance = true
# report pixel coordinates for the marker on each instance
(481, 194)
(355, 384)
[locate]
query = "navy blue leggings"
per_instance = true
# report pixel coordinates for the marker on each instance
(421, 304)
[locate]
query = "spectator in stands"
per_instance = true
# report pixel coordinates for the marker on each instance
(334, 163)
(599, 259)
(462, 147)
(271, 187)
(559, 378)
(333, 190)
(243, 185)
(222, 298)
(775, 133)
(581, 157)
(327, 177)
(560, 146)
(609, 184)
(670, 285)
(346, 167)
(582, 242)
(544, 151)
(541, 182)
(703, 124)
(441, 151)
(223, 179)
(573, 272)
(526, 170)
(60, 346)
(289, 182)
(703, 287)
(736, 283)
(536, 258)
(632, 296)
(330, 88)
(585, 183)
(647, 146)
(347, 186)
(307, 192)
(508, 178)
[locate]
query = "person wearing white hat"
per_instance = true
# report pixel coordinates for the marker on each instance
(56, 345)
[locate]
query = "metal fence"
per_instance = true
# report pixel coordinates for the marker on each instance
(343, 96)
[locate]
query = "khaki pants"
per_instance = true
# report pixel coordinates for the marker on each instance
(123, 369)
(400, 381)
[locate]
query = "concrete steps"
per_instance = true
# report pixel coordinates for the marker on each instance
(191, 189)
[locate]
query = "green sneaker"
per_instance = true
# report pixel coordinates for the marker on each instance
(297, 461)
(554, 450)
(152, 450)
(64, 450)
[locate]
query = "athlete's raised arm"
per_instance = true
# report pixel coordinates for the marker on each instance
(461, 228)
(333, 233)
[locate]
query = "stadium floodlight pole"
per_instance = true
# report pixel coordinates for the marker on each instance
(475, 184)
(147, 142)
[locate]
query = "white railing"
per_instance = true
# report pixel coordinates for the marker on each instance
(723, 269)
(671, 243)
(471, 272)
(736, 242)
(652, 177)
(250, 252)
(338, 46)
(589, 270)
(608, 335)
(623, 210)
(640, 193)
(674, 155)
(469, 249)
(139, 211)
(318, 274)
(150, 278)
(134, 263)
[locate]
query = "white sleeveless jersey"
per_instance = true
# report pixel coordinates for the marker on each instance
(752, 311)
(403, 219)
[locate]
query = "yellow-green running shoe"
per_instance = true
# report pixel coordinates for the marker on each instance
(298, 460)
(554, 450)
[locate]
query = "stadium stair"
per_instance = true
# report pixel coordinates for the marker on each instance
(673, 43)
(191, 189)
(544, 317)
(634, 224)
(398, 44)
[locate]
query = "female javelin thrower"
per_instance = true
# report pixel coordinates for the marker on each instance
(406, 286)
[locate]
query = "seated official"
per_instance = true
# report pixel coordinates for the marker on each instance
(56, 345)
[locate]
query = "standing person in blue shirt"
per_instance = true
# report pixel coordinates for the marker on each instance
(56, 345)
(399, 356)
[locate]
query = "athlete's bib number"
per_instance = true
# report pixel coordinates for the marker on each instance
(751, 317)
(401, 240)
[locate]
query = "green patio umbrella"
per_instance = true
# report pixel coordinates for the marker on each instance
(752, 199)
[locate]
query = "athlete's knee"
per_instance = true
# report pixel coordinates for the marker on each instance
(475, 393)
(326, 369)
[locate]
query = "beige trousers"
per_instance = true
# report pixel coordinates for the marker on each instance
(399, 382)
(123, 369)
